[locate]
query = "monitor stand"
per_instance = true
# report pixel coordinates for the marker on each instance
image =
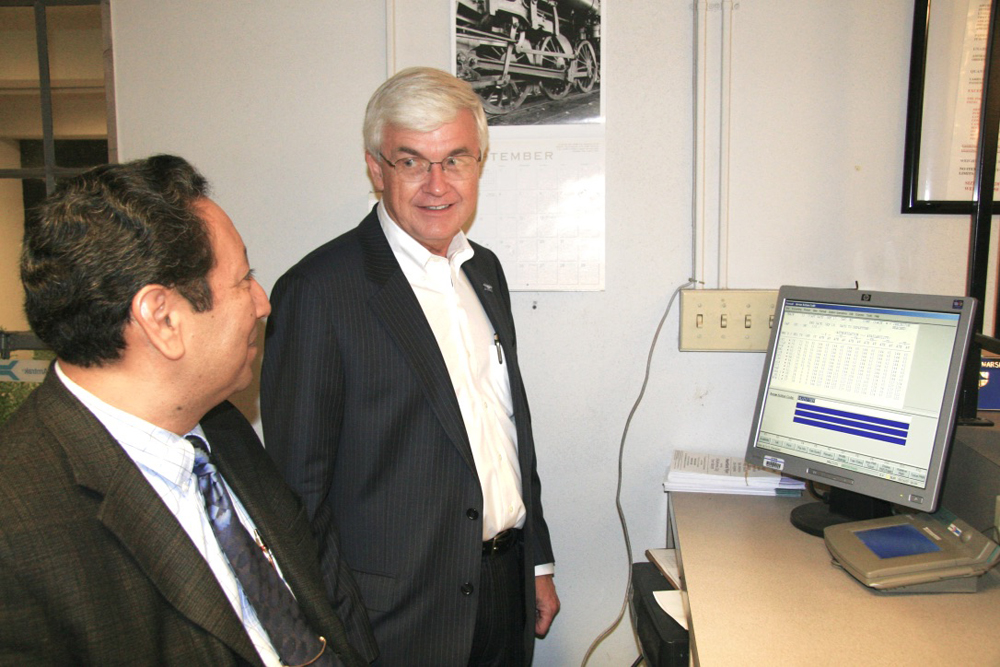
(840, 506)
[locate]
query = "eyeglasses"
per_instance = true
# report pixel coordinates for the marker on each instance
(454, 167)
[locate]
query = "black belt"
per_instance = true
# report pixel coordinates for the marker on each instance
(501, 542)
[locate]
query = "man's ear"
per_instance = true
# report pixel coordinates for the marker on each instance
(156, 314)
(375, 170)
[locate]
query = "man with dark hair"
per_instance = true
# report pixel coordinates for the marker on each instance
(141, 521)
(392, 398)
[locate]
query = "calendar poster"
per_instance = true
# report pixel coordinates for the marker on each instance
(541, 207)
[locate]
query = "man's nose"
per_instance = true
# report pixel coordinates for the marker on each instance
(261, 303)
(436, 182)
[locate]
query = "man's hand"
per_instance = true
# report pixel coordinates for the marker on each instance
(546, 604)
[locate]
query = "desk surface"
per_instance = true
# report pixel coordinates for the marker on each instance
(761, 592)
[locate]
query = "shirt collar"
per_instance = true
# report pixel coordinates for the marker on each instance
(414, 258)
(153, 448)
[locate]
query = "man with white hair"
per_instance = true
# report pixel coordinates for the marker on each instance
(392, 400)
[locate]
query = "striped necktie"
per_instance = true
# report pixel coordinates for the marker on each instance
(276, 607)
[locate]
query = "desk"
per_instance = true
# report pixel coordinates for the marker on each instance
(761, 592)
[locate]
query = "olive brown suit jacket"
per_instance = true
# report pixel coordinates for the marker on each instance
(95, 569)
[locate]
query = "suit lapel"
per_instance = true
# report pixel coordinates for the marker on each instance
(486, 289)
(399, 311)
(137, 516)
(133, 512)
(490, 287)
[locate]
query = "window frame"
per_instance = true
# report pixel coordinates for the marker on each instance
(49, 171)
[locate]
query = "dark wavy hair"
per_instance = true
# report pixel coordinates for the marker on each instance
(100, 238)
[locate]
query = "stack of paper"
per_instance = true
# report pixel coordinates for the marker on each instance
(666, 562)
(709, 473)
(673, 602)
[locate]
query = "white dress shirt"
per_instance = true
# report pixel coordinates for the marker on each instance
(474, 357)
(166, 460)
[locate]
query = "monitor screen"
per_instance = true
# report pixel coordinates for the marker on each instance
(859, 392)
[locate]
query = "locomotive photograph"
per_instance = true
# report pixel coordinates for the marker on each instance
(532, 62)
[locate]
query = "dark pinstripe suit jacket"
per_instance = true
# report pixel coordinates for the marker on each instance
(360, 413)
(94, 569)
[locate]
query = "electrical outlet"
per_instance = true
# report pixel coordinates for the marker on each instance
(714, 320)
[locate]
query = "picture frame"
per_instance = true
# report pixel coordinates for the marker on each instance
(947, 60)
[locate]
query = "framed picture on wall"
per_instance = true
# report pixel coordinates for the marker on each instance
(947, 65)
(532, 63)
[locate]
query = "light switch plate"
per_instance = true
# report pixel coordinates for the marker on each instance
(715, 320)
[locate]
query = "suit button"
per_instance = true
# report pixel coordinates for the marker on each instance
(472, 514)
(467, 589)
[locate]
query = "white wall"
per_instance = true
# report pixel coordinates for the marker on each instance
(267, 99)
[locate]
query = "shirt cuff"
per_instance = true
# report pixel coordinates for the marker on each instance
(547, 568)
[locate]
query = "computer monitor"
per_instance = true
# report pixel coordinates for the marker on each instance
(859, 392)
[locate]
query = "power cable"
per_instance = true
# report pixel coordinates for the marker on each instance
(618, 494)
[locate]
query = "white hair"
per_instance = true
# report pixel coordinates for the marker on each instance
(421, 99)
